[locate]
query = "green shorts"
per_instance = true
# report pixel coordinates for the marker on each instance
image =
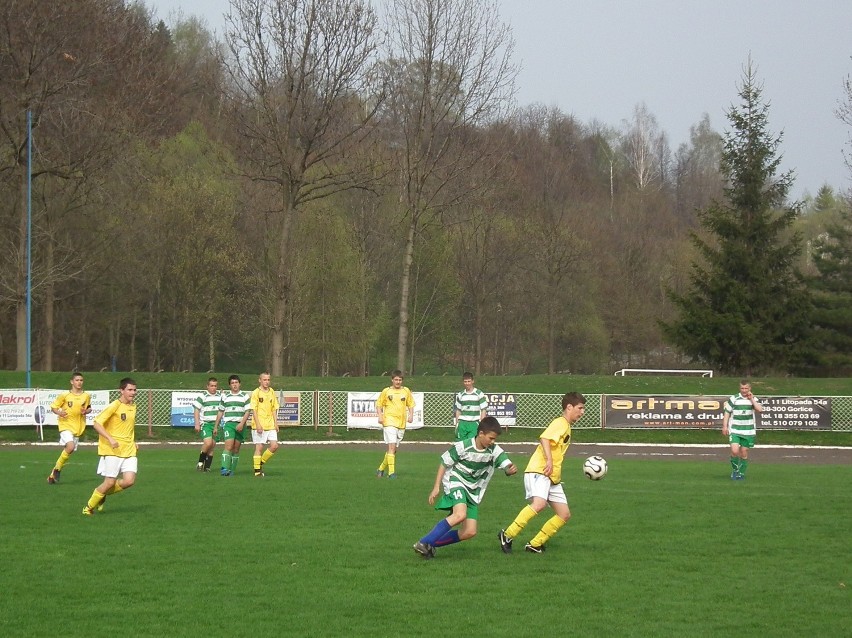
(466, 430)
(207, 432)
(741, 439)
(447, 501)
(229, 432)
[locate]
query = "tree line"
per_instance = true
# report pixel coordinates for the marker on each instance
(328, 189)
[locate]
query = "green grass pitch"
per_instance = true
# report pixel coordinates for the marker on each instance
(320, 547)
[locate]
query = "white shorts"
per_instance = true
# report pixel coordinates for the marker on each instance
(66, 437)
(267, 436)
(112, 466)
(393, 435)
(538, 485)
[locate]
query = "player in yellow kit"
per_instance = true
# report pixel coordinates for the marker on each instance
(395, 406)
(116, 446)
(264, 409)
(71, 407)
(543, 478)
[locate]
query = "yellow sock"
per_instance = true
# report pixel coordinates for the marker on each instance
(256, 462)
(115, 489)
(63, 458)
(521, 520)
(266, 456)
(391, 463)
(95, 499)
(384, 464)
(548, 530)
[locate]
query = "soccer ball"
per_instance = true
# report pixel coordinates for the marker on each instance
(595, 468)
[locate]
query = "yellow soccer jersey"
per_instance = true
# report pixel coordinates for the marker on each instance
(559, 435)
(395, 404)
(265, 408)
(73, 404)
(119, 419)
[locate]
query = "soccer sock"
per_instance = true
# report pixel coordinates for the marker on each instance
(743, 466)
(437, 532)
(448, 539)
(521, 520)
(202, 457)
(391, 463)
(735, 464)
(548, 530)
(256, 462)
(266, 456)
(234, 459)
(384, 464)
(115, 489)
(95, 499)
(226, 461)
(62, 459)
(208, 461)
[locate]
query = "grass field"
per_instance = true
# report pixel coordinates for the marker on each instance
(320, 547)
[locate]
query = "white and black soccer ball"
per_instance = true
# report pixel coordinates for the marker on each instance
(595, 468)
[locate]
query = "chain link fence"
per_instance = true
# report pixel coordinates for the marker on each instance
(328, 409)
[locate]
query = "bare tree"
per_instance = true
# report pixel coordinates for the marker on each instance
(645, 149)
(303, 93)
(451, 62)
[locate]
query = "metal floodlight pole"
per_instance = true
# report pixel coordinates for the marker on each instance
(29, 244)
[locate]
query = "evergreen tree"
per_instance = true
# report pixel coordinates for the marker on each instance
(832, 317)
(747, 309)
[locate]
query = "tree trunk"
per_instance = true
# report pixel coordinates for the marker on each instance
(407, 261)
(49, 308)
(21, 278)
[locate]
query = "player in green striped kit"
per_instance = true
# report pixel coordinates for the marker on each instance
(463, 476)
(206, 409)
(234, 409)
(471, 408)
(740, 426)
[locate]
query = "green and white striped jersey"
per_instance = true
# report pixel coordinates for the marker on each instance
(470, 469)
(742, 419)
(470, 405)
(208, 406)
(234, 406)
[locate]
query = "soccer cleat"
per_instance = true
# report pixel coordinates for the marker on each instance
(258, 473)
(738, 477)
(535, 549)
(53, 477)
(505, 542)
(392, 476)
(88, 511)
(734, 475)
(424, 549)
(379, 474)
(225, 472)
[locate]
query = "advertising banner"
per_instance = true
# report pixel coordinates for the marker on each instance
(795, 413)
(361, 411)
(662, 411)
(100, 400)
(289, 410)
(503, 407)
(671, 411)
(182, 413)
(32, 407)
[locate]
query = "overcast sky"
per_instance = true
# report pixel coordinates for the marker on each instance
(598, 59)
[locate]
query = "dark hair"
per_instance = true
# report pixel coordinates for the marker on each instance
(397, 373)
(126, 381)
(234, 377)
(467, 375)
(74, 375)
(212, 379)
(490, 424)
(573, 398)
